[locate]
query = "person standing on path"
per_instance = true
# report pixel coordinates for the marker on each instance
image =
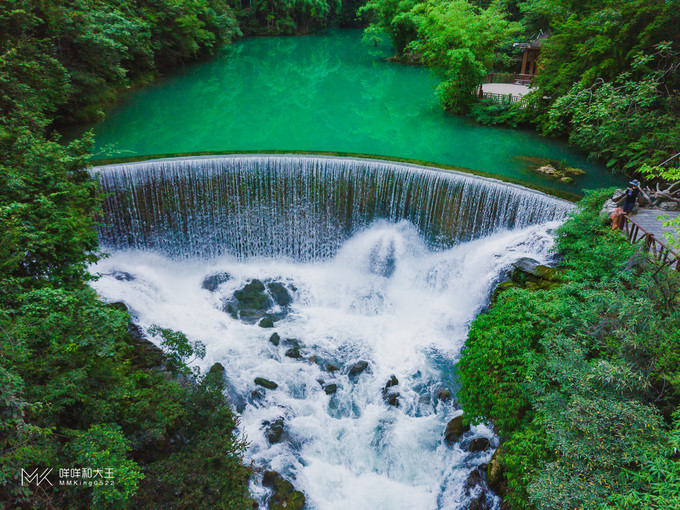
(630, 195)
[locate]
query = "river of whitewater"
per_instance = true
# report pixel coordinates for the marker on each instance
(385, 296)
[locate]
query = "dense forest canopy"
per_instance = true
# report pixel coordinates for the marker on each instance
(72, 376)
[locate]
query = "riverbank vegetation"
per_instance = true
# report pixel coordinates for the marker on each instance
(582, 381)
(607, 74)
(77, 391)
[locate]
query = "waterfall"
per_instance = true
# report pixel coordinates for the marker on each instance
(300, 207)
(384, 264)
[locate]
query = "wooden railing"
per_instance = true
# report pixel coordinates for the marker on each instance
(500, 97)
(656, 248)
(516, 78)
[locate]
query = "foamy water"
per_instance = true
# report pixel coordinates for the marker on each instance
(385, 298)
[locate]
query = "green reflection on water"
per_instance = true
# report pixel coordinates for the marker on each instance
(326, 92)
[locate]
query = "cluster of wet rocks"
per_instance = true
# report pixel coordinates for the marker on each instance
(253, 304)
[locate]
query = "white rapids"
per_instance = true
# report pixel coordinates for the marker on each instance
(386, 298)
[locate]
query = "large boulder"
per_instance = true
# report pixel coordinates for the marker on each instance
(474, 479)
(217, 372)
(455, 429)
(330, 388)
(275, 339)
(528, 273)
(213, 281)
(529, 270)
(250, 303)
(284, 495)
(479, 502)
(443, 394)
(294, 353)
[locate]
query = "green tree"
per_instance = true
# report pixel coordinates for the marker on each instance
(104, 449)
(461, 43)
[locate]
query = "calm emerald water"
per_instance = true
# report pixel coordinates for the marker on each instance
(325, 92)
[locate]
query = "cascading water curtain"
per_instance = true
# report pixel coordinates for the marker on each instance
(300, 207)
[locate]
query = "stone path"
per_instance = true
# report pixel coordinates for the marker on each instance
(647, 219)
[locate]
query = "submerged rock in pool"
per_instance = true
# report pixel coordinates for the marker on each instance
(455, 429)
(266, 383)
(213, 281)
(284, 495)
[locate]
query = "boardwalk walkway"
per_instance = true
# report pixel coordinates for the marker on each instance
(647, 219)
(645, 229)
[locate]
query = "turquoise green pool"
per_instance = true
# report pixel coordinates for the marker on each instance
(329, 93)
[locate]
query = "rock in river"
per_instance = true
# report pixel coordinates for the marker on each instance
(480, 444)
(455, 429)
(274, 430)
(250, 303)
(213, 281)
(279, 293)
(266, 322)
(284, 495)
(357, 368)
(266, 383)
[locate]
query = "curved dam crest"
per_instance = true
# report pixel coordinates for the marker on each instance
(300, 207)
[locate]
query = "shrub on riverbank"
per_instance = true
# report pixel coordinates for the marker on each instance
(583, 381)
